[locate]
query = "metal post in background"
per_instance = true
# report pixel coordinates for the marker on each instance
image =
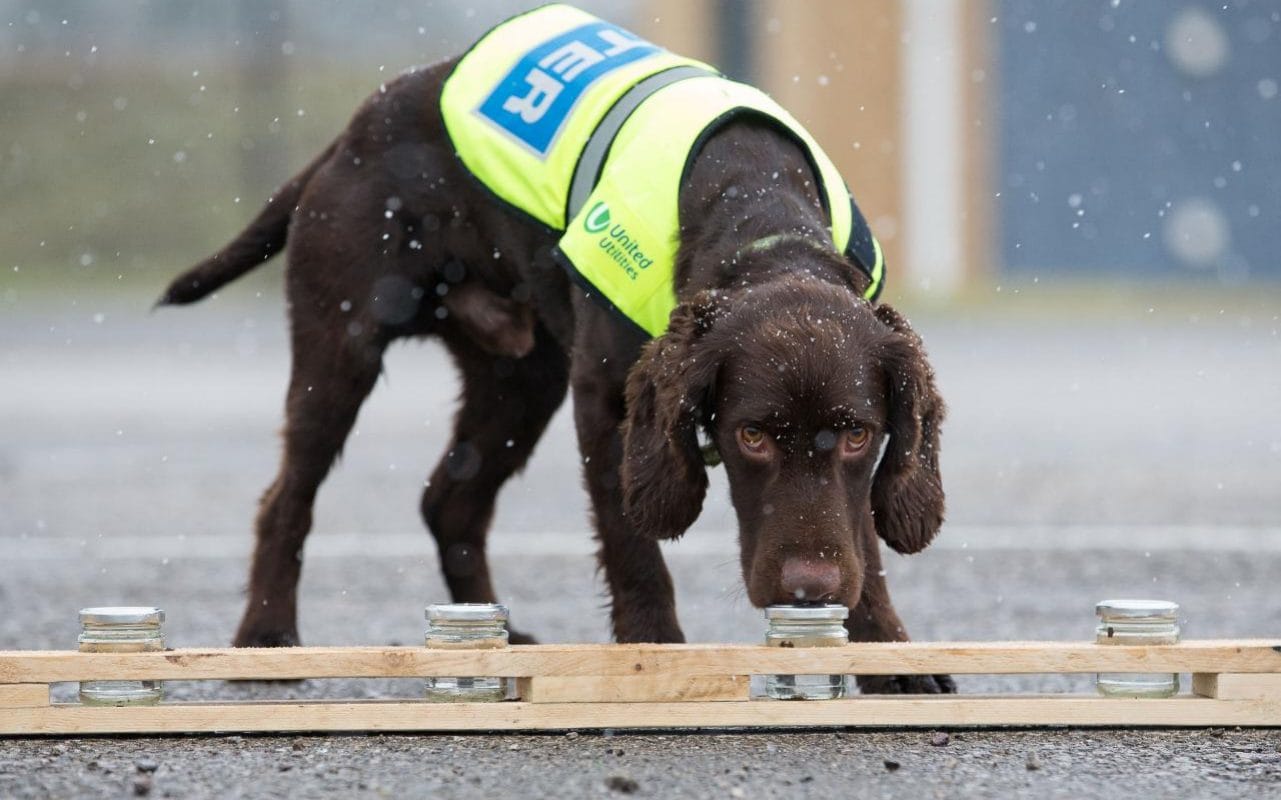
(735, 27)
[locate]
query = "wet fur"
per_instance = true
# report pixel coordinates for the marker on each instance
(387, 237)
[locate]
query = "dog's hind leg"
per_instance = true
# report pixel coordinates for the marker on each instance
(506, 405)
(335, 365)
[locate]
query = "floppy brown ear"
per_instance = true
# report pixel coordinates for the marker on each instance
(664, 479)
(907, 492)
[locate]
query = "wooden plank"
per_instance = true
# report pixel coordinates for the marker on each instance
(909, 711)
(633, 689)
(864, 658)
(1235, 686)
(23, 695)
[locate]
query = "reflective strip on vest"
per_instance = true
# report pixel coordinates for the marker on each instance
(525, 103)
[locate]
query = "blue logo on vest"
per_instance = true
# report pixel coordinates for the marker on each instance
(533, 101)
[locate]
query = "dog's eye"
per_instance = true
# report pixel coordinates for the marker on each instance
(752, 438)
(854, 439)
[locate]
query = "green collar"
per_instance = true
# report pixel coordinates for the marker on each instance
(778, 239)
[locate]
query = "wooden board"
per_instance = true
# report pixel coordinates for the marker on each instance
(632, 689)
(931, 711)
(24, 695)
(863, 658)
(1233, 686)
(648, 686)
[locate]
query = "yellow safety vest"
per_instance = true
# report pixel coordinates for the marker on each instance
(588, 130)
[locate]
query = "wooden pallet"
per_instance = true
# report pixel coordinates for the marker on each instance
(1235, 682)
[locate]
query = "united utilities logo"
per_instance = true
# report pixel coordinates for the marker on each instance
(597, 219)
(616, 241)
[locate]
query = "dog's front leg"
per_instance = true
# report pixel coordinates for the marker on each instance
(873, 619)
(643, 606)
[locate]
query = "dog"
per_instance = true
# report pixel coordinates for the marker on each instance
(821, 404)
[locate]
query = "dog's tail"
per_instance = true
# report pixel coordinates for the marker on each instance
(257, 243)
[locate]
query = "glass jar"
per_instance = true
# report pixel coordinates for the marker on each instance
(466, 626)
(121, 629)
(1137, 622)
(805, 626)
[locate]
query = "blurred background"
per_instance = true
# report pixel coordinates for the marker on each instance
(1080, 201)
(988, 140)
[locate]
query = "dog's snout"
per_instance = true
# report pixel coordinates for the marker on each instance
(806, 580)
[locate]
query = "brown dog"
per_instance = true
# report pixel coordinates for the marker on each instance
(798, 381)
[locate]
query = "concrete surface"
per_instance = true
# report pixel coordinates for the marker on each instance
(1086, 455)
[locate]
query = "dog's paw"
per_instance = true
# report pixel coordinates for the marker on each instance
(906, 684)
(266, 639)
(645, 634)
(516, 637)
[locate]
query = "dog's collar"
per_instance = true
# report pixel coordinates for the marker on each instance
(777, 240)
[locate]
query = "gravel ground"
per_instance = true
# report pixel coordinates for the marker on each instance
(1127, 454)
(1033, 764)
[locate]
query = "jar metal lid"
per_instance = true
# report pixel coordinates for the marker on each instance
(811, 612)
(122, 615)
(467, 612)
(1137, 609)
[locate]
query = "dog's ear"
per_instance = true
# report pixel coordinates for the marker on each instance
(498, 325)
(907, 492)
(663, 476)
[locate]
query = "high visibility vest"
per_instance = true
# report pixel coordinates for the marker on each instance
(588, 130)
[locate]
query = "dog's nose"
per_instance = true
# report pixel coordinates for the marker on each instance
(810, 580)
